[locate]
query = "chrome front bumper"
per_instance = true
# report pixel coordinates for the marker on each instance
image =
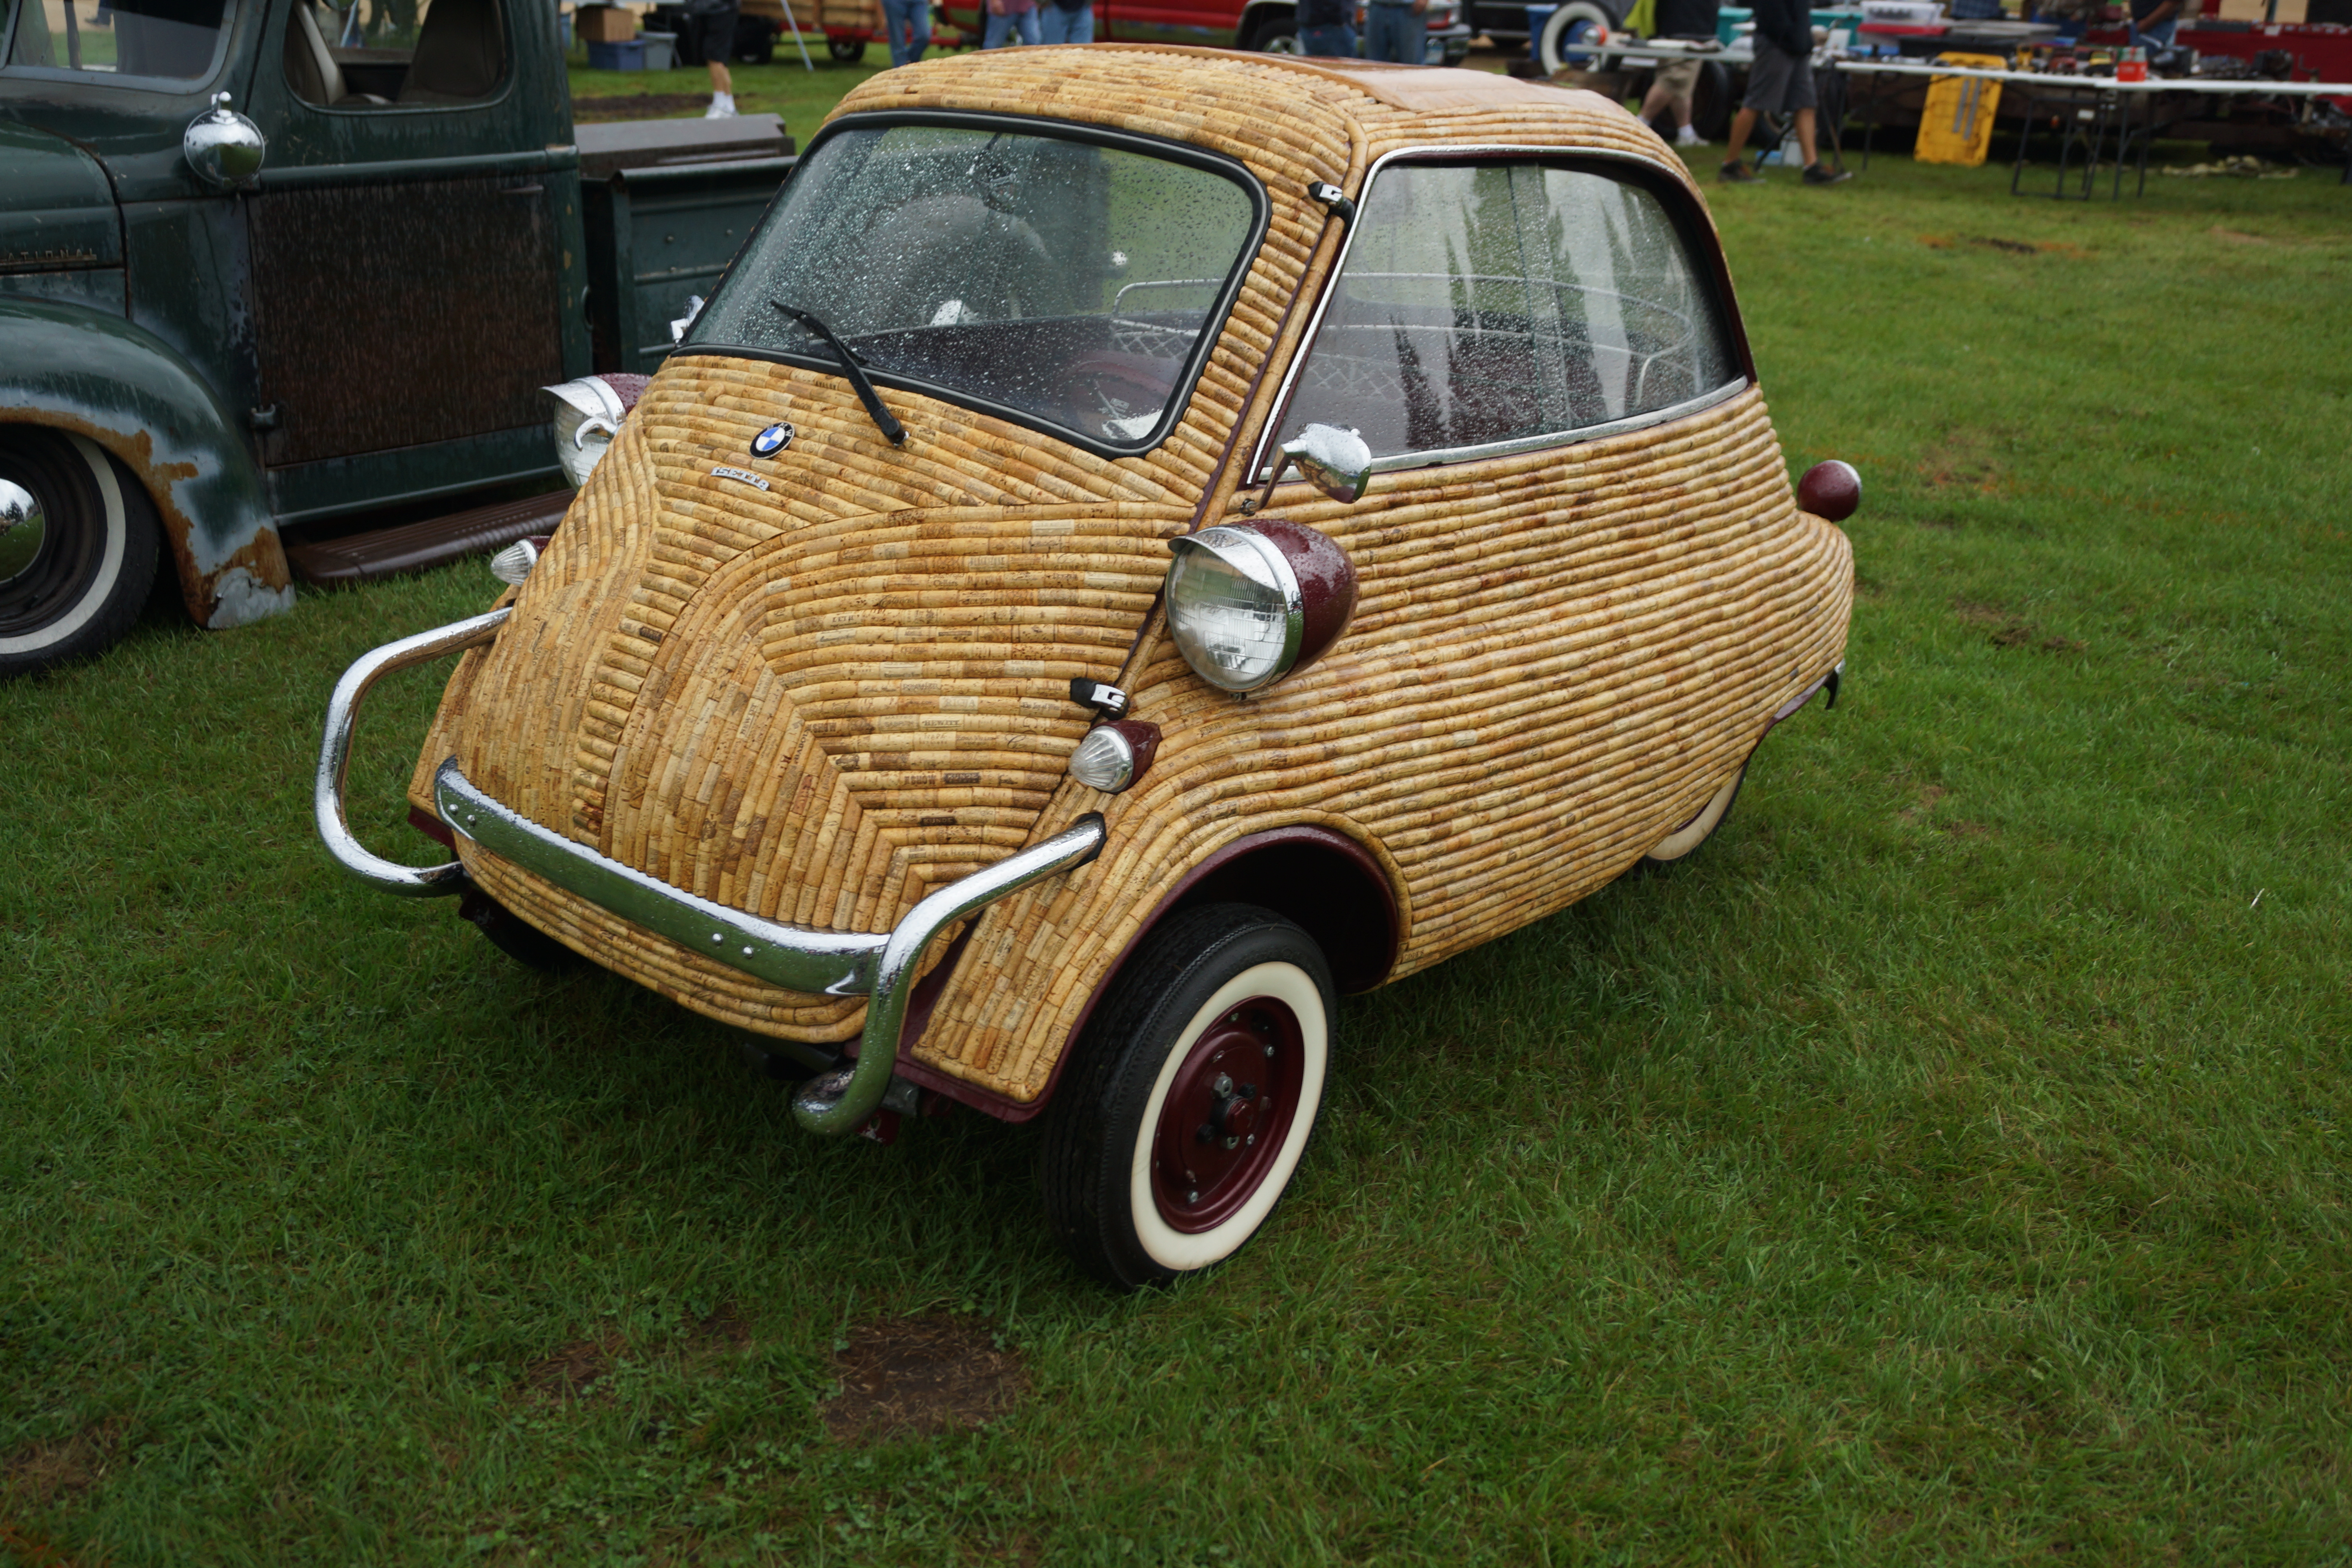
(878, 966)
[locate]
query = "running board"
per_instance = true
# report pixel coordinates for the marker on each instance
(414, 546)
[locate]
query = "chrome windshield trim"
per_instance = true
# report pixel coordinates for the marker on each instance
(816, 963)
(335, 756)
(1270, 436)
(1581, 434)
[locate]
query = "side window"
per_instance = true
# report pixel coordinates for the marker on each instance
(173, 38)
(1494, 302)
(373, 54)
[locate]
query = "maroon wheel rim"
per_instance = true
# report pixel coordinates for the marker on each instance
(1227, 1115)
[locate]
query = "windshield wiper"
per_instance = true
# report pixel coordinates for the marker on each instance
(884, 420)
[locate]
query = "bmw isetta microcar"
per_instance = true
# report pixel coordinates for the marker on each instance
(1140, 541)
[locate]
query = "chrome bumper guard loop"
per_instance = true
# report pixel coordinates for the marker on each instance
(880, 966)
(335, 757)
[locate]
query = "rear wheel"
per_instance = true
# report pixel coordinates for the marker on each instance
(848, 51)
(1683, 841)
(1190, 1096)
(78, 547)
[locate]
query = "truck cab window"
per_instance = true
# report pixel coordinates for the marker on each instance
(1488, 303)
(373, 54)
(175, 39)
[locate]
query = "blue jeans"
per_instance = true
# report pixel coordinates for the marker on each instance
(909, 23)
(1394, 33)
(1335, 40)
(2156, 37)
(1002, 28)
(1055, 26)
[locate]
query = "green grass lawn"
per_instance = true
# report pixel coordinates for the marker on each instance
(1949, 1163)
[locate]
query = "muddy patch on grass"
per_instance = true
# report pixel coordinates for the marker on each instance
(920, 1377)
(572, 1373)
(2009, 629)
(46, 1472)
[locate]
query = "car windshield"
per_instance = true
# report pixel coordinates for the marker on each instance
(175, 39)
(1063, 281)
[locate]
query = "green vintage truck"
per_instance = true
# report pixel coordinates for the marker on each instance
(280, 284)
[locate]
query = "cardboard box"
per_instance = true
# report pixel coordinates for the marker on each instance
(2290, 12)
(606, 25)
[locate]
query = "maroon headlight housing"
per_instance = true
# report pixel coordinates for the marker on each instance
(1249, 603)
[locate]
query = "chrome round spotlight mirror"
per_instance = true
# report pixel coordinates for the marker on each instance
(1333, 460)
(1337, 462)
(224, 148)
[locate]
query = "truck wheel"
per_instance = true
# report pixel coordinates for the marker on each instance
(78, 547)
(1712, 102)
(848, 51)
(1277, 34)
(1683, 841)
(755, 40)
(1189, 1099)
(1560, 45)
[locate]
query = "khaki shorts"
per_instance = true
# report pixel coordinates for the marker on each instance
(1677, 79)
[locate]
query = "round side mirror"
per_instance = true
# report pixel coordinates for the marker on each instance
(223, 147)
(1333, 460)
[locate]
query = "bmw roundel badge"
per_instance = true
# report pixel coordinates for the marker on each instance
(771, 440)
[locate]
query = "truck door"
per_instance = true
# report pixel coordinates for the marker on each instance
(408, 259)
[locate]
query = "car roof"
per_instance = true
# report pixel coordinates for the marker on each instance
(1284, 115)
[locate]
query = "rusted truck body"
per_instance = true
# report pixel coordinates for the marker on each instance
(268, 265)
(1142, 543)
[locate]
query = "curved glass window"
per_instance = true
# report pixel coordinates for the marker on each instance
(169, 38)
(1067, 283)
(1489, 303)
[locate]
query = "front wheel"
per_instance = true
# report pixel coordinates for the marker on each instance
(78, 548)
(848, 51)
(1190, 1097)
(1683, 841)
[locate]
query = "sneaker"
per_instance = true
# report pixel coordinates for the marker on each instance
(722, 107)
(1822, 174)
(1739, 174)
(1687, 136)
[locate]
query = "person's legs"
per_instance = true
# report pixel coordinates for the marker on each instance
(2156, 37)
(1805, 137)
(999, 28)
(717, 37)
(908, 23)
(1055, 26)
(1025, 25)
(1393, 33)
(1335, 41)
(1673, 89)
(1742, 123)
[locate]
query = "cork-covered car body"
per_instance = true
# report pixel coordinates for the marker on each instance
(782, 723)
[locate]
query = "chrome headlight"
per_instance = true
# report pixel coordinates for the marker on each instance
(1249, 603)
(588, 414)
